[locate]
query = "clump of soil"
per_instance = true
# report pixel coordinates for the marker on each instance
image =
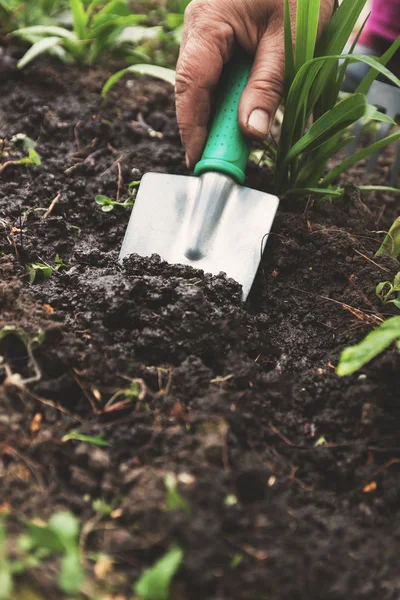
(290, 472)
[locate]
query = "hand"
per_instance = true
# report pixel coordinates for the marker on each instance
(210, 30)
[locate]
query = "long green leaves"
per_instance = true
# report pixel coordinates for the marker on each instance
(96, 31)
(315, 123)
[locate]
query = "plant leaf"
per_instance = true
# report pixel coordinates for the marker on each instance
(150, 70)
(391, 242)
(307, 17)
(355, 357)
(355, 158)
(155, 582)
(342, 115)
(40, 47)
(45, 31)
(72, 574)
(373, 73)
(289, 49)
(6, 580)
(75, 435)
(80, 19)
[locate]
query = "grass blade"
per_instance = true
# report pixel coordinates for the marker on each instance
(360, 155)
(355, 357)
(307, 18)
(45, 30)
(150, 70)
(40, 47)
(80, 19)
(373, 73)
(289, 50)
(315, 191)
(155, 582)
(315, 165)
(345, 113)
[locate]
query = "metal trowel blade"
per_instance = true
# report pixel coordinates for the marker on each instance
(208, 222)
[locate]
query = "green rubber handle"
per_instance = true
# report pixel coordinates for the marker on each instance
(227, 149)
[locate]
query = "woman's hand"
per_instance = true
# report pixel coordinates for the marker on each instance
(210, 30)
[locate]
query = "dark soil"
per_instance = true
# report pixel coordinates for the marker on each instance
(235, 399)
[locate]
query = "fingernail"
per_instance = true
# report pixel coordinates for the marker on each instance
(187, 161)
(259, 121)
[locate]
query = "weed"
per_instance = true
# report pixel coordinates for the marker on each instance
(20, 143)
(391, 243)
(107, 204)
(389, 292)
(155, 582)
(75, 435)
(96, 31)
(58, 537)
(31, 342)
(44, 270)
(174, 500)
(355, 357)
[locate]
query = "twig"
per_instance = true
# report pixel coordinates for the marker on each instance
(51, 207)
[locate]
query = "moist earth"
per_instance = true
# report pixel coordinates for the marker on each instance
(291, 473)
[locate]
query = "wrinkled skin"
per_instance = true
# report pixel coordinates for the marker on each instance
(210, 30)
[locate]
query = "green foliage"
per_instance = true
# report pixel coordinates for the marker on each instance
(44, 270)
(98, 29)
(355, 357)
(391, 243)
(75, 435)
(18, 13)
(107, 204)
(59, 537)
(313, 77)
(389, 292)
(155, 582)
(167, 75)
(174, 500)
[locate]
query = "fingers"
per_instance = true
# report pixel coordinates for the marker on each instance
(263, 92)
(207, 42)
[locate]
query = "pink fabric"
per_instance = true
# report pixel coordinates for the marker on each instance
(385, 19)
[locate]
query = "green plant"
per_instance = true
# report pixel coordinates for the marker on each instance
(58, 537)
(391, 243)
(155, 582)
(313, 77)
(389, 292)
(108, 204)
(97, 29)
(18, 13)
(44, 270)
(355, 357)
(174, 500)
(20, 143)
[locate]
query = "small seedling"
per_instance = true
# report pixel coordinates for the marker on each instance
(155, 582)
(174, 500)
(391, 243)
(44, 270)
(135, 391)
(107, 204)
(389, 292)
(25, 144)
(355, 357)
(80, 437)
(30, 341)
(59, 537)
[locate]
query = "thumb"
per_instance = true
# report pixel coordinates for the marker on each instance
(263, 92)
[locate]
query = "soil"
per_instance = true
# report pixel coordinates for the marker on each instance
(291, 473)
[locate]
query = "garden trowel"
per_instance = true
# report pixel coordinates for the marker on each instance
(209, 221)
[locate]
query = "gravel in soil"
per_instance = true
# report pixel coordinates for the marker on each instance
(290, 472)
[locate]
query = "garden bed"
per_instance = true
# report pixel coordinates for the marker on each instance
(285, 466)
